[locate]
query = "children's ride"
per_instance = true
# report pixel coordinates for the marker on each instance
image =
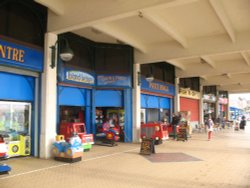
(156, 131)
(3, 154)
(67, 129)
(70, 151)
(107, 135)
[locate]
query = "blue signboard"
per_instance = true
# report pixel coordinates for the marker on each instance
(157, 87)
(74, 76)
(114, 80)
(20, 56)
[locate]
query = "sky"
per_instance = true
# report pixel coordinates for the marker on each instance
(236, 96)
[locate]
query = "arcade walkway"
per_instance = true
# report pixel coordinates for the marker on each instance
(223, 162)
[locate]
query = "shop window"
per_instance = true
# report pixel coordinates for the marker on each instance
(164, 115)
(83, 52)
(23, 20)
(209, 90)
(153, 115)
(192, 83)
(161, 71)
(72, 114)
(15, 127)
(113, 59)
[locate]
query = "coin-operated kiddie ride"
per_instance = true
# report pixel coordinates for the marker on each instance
(68, 129)
(3, 154)
(155, 131)
(107, 135)
(70, 151)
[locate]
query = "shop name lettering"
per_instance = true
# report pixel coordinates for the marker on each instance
(158, 87)
(10, 53)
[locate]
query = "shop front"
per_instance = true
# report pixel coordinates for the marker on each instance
(113, 105)
(75, 90)
(189, 102)
(156, 101)
(223, 107)
(94, 99)
(20, 68)
(209, 106)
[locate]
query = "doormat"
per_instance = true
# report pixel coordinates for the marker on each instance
(170, 157)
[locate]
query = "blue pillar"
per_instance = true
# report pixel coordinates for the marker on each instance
(93, 107)
(128, 128)
(88, 115)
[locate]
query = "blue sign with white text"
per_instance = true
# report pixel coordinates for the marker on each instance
(114, 80)
(75, 76)
(157, 87)
(21, 56)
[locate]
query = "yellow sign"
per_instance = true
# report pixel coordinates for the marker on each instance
(188, 93)
(10, 53)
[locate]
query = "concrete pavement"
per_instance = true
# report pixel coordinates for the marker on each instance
(223, 162)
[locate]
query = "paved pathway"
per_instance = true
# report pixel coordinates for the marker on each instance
(223, 162)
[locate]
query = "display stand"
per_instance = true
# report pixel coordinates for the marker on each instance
(147, 147)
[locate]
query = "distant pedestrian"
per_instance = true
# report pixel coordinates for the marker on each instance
(210, 125)
(243, 123)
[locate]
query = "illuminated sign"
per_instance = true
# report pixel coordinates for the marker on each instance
(78, 76)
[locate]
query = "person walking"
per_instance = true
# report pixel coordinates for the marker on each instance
(210, 125)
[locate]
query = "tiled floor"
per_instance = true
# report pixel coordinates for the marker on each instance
(223, 162)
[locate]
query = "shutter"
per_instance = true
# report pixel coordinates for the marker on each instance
(191, 105)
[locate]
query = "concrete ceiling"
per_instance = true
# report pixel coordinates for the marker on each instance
(202, 38)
